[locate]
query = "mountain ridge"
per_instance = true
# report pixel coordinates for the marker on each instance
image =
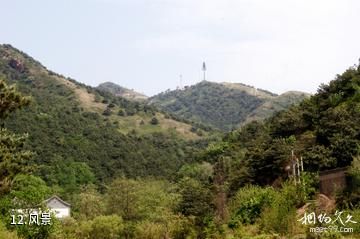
(121, 91)
(70, 124)
(224, 105)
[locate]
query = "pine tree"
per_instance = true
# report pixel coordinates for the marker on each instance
(13, 157)
(10, 100)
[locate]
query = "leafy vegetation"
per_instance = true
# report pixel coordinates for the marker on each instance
(158, 184)
(224, 106)
(78, 138)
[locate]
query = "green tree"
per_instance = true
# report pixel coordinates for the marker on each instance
(196, 199)
(140, 199)
(29, 190)
(106, 227)
(13, 156)
(10, 99)
(123, 198)
(88, 204)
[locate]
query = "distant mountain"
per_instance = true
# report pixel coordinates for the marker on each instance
(276, 104)
(70, 124)
(224, 105)
(121, 91)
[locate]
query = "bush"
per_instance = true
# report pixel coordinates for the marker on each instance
(248, 204)
(280, 215)
(6, 234)
(105, 227)
(107, 112)
(154, 121)
(350, 198)
(121, 113)
(29, 190)
(150, 230)
(35, 231)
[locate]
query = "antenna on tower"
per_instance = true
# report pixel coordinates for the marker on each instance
(204, 70)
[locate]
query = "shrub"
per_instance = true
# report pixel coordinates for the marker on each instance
(154, 121)
(150, 230)
(248, 203)
(107, 112)
(105, 227)
(350, 198)
(6, 234)
(121, 113)
(280, 215)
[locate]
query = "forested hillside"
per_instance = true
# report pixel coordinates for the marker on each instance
(74, 129)
(60, 137)
(324, 130)
(225, 106)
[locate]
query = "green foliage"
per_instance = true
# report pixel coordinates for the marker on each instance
(107, 111)
(248, 203)
(88, 204)
(68, 174)
(323, 130)
(11, 100)
(78, 133)
(209, 103)
(13, 157)
(176, 227)
(350, 197)
(166, 187)
(5, 234)
(140, 199)
(154, 121)
(196, 199)
(202, 172)
(222, 106)
(150, 230)
(75, 134)
(121, 112)
(107, 227)
(307, 188)
(280, 215)
(29, 191)
(35, 231)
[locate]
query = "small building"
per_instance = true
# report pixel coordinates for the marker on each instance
(56, 205)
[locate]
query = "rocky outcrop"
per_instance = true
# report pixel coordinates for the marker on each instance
(17, 65)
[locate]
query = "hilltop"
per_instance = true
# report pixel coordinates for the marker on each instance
(120, 91)
(224, 105)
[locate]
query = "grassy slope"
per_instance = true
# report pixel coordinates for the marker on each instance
(122, 91)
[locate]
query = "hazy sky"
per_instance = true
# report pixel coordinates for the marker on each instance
(277, 45)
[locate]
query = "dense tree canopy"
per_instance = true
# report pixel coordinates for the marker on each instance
(13, 157)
